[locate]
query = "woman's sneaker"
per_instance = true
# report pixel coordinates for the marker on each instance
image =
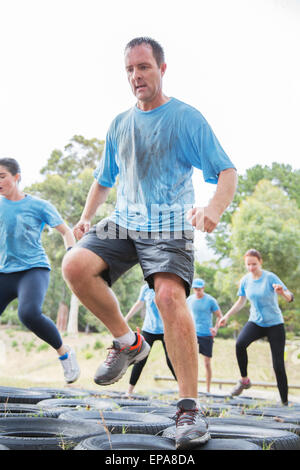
(240, 386)
(119, 359)
(191, 426)
(70, 366)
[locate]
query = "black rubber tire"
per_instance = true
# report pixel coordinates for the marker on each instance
(289, 415)
(267, 438)
(126, 402)
(94, 403)
(21, 395)
(120, 422)
(62, 392)
(228, 444)
(22, 410)
(168, 411)
(251, 420)
(126, 442)
(45, 433)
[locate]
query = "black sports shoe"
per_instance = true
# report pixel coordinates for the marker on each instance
(191, 427)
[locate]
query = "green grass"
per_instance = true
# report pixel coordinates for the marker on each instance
(34, 364)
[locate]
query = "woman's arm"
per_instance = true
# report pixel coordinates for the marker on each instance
(239, 304)
(67, 234)
(134, 309)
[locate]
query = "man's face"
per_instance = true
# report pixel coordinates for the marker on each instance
(144, 75)
(199, 292)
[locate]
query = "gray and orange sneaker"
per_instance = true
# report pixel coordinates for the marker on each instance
(191, 426)
(239, 387)
(119, 359)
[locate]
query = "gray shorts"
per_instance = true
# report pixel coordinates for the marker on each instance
(155, 252)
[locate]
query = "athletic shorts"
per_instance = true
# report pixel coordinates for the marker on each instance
(205, 345)
(122, 249)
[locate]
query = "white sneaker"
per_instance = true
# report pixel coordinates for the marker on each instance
(70, 367)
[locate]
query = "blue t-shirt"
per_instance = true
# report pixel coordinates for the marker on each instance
(264, 308)
(152, 322)
(202, 311)
(154, 153)
(21, 225)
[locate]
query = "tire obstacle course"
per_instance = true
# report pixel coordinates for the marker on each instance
(75, 419)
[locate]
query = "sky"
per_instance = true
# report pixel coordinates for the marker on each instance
(237, 61)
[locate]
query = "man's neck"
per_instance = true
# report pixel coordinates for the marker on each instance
(156, 103)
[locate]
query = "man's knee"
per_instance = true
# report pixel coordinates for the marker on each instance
(167, 296)
(80, 264)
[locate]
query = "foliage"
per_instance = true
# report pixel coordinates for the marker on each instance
(281, 175)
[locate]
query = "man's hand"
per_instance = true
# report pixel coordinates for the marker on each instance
(81, 228)
(203, 218)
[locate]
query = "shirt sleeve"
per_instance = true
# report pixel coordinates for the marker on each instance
(209, 155)
(50, 215)
(107, 171)
(142, 293)
(214, 305)
(241, 290)
(274, 279)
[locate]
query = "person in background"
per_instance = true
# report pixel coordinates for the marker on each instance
(152, 330)
(261, 288)
(24, 265)
(203, 306)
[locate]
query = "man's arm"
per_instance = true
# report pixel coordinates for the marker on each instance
(97, 195)
(207, 218)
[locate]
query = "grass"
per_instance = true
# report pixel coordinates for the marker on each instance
(32, 364)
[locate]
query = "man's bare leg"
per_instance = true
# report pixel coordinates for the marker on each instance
(81, 268)
(179, 331)
(208, 371)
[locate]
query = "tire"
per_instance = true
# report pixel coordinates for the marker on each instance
(21, 395)
(251, 420)
(120, 422)
(45, 433)
(272, 439)
(78, 403)
(126, 402)
(22, 410)
(62, 392)
(289, 415)
(126, 442)
(228, 444)
(168, 411)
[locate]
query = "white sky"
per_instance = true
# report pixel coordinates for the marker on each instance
(62, 73)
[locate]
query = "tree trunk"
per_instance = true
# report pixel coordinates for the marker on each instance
(73, 316)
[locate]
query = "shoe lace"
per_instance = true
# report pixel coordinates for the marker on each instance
(113, 353)
(186, 416)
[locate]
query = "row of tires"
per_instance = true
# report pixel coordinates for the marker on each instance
(75, 419)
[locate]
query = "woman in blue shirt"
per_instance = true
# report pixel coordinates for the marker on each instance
(261, 288)
(152, 330)
(24, 265)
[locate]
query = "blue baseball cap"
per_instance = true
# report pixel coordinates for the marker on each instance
(198, 283)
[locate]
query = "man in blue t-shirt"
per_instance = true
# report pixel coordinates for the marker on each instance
(152, 150)
(203, 306)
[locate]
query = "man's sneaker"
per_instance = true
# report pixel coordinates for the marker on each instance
(70, 366)
(191, 426)
(240, 386)
(119, 359)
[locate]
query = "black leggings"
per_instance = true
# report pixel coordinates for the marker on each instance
(30, 288)
(276, 336)
(137, 368)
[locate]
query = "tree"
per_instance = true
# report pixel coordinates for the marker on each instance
(281, 175)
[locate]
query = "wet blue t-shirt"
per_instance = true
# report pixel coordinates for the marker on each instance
(152, 322)
(154, 153)
(202, 311)
(264, 308)
(21, 226)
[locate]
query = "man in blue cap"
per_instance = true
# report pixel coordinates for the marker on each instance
(202, 307)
